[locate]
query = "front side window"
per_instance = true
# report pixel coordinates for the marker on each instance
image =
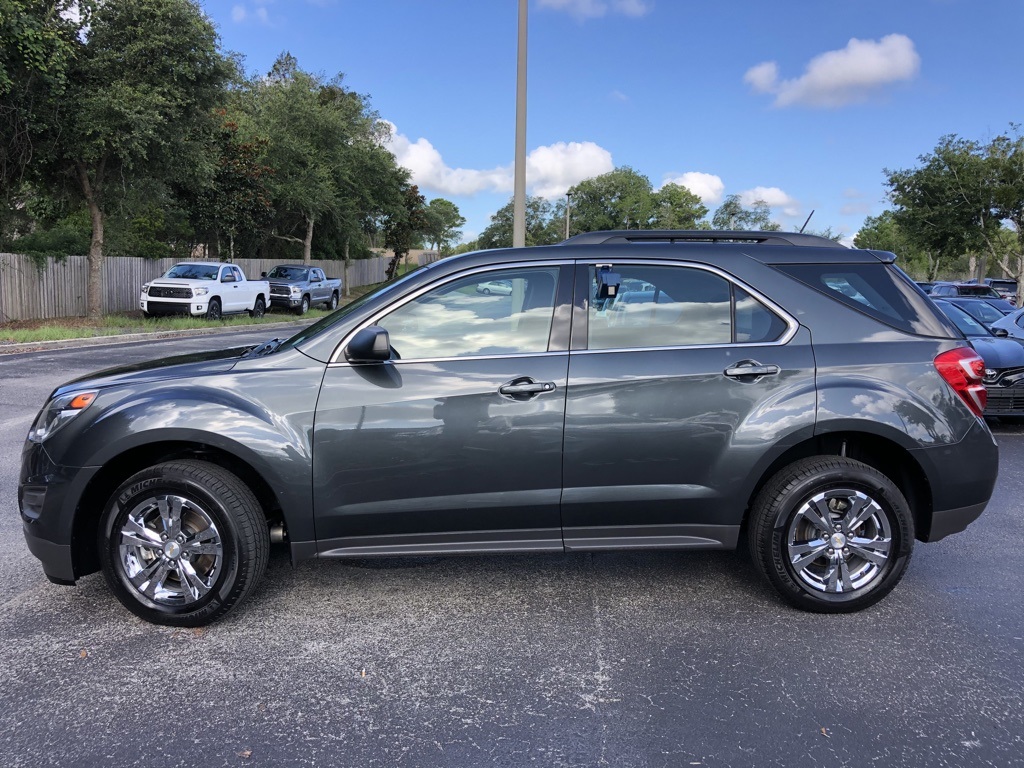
(506, 312)
(661, 306)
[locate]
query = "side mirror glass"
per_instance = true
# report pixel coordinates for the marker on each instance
(1001, 333)
(370, 345)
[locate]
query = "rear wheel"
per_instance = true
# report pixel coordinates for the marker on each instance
(333, 303)
(213, 310)
(259, 308)
(183, 543)
(831, 534)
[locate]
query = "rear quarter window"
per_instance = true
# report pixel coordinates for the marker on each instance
(878, 290)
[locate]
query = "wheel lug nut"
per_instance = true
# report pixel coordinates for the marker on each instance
(831, 552)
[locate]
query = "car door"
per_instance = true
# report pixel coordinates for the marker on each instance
(455, 444)
(232, 298)
(677, 391)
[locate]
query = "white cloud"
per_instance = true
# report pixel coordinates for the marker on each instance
(238, 13)
(838, 78)
(592, 9)
(550, 170)
(774, 197)
(708, 187)
(618, 95)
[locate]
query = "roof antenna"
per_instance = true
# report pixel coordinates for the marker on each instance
(805, 223)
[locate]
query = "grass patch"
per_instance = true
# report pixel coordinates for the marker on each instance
(62, 329)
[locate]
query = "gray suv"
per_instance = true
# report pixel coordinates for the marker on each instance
(631, 390)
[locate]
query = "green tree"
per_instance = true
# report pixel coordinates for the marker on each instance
(619, 199)
(676, 207)
(948, 205)
(404, 226)
(542, 228)
(444, 223)
(137, 104)
(733, 215)
(883, 233)
(38, 42)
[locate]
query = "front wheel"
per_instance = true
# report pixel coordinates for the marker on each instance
(259, 308)
(831, 534)
(182, 543)
(303, 308)
(213, 310)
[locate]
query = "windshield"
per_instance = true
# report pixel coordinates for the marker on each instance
(339, 315)
(287, 273)
(193, 271)
(976, 290)
(967, 324)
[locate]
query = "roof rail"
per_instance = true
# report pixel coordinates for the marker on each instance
(752, 237)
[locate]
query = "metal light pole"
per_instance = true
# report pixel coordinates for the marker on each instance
(568, 203)
(519, 187)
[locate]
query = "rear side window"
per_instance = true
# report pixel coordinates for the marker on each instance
(878, 290)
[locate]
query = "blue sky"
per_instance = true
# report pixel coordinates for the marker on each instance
(802, 104)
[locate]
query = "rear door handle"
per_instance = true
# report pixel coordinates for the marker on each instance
(751, 368)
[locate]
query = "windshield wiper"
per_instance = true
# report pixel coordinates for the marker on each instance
(265, 348)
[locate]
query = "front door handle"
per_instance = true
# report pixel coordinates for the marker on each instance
(524, 388)
(749, 368)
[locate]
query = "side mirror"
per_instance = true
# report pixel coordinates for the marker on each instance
(229, 278)
(608, 282)
(1001, 333)
(370, 345)
(263, 274)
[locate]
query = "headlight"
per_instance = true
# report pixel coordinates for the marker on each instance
(145, 289)
(200, 291)
(295, 290)
(58, 412)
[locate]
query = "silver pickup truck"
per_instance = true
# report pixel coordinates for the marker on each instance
(298, 286)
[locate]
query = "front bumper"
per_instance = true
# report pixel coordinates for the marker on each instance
(48, 499)
(193, 307)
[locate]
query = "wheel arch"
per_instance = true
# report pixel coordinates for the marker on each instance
(881, 453)
(92, 503)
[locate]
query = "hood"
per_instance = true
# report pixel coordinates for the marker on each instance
(179, 367)
(999, 354)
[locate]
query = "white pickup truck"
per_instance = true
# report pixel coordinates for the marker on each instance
(204, 288)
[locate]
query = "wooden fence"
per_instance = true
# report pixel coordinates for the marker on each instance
(59, 288)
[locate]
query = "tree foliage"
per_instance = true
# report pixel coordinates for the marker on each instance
(542, 227)
(732, 214)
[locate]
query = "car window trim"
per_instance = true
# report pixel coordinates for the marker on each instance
(581, 307)
(562, 294)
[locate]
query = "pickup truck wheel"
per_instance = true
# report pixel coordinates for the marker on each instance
(213, 310)
(182, 543)
(831, 534)
(333, 303)
(303, 308)
(259, 308)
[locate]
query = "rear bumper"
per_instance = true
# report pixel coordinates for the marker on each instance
(962, 477)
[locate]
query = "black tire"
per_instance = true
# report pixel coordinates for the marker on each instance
(303, 308)
(213, 310)
(333, 303)
(190, 573)
(486, 291)
(870, 534)
(259, 308)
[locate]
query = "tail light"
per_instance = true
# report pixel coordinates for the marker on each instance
(963, 369)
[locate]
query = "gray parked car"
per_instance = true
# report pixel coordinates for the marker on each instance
(760, 389)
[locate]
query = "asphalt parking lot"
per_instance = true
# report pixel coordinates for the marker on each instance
(619, 659)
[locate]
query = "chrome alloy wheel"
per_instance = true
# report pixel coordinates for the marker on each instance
(170, 550)
(839, 541)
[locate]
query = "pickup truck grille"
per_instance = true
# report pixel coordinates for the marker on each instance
(166, 292)
(280, 290)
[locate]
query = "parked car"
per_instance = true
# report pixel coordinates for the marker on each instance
(1004, 361)
(207, 289)
(1013, 324)
(985, 311)
(299, 286)
(1005, 287)
(775, 391)
(925, 285)
(499, 287)
(948, 290)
